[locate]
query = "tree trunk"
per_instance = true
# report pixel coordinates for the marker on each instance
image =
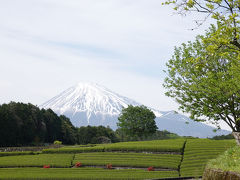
(236, 135)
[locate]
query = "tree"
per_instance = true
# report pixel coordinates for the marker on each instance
(25, 124)
(226, 14)
(137, 121)
(206, 84)
(53, 126)
(68, 131)
(221, 45)
(222, 137)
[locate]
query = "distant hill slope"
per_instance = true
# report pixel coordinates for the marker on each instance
(92, 104)
(184, 126)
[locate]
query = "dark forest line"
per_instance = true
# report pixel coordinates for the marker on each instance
(25, 124)
(28, 125)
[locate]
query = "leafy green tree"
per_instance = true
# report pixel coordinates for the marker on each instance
(83, 136)
(25, 124)
(8, 127)
(53, 126)
(137, 121)
(206, 84)
(68, 131)
(221, 46)
(224, 12)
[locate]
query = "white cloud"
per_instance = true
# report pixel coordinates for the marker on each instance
(48, 45)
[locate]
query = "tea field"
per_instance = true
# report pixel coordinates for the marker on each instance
(167, 161)
(127, 160)
(54, 160)
(81, 173)
(198, 152)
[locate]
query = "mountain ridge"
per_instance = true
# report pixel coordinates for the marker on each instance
(92, 98)
(93, 104)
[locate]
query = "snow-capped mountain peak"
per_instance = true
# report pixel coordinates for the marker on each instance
(90, 98)
(92, 104)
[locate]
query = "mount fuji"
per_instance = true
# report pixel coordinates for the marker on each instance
(92, 104)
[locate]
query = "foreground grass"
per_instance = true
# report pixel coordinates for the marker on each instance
(171, 161)
(54, 160)
(198, 152)
(81, 173)
(229, 161)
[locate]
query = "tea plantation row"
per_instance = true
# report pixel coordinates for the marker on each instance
(81, 173)
(175, 145)
(179, 157)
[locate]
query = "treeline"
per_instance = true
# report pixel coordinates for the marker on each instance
(222, 137)
(26, 125)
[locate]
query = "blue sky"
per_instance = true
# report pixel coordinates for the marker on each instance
(49, 45)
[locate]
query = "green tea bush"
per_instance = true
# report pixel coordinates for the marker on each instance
(16, 153)
(74, 150)
(168, 161)
(57, 142)
(198, 152)
(54, 160)
(82, 173)
(173, 145)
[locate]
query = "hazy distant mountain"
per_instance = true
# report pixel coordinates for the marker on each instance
(92, 104)
(184, 126)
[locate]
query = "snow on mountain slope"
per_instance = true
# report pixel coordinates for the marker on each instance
(92, 104)
(90, 98)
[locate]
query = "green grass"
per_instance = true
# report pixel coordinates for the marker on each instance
(173, 145)
(198, 152)
(73, 150)
(228, 161)
(81, 173)
(170, 161)
(16, 153)
(55, 160)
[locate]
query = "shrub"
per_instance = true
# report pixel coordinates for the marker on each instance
(103, 140)
(57, 142)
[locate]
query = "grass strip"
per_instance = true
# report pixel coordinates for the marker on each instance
(73, 150)
(54, 160)
(173, 145)
(81, 173)
(16, 153)
(170, 161)
(198, 152)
